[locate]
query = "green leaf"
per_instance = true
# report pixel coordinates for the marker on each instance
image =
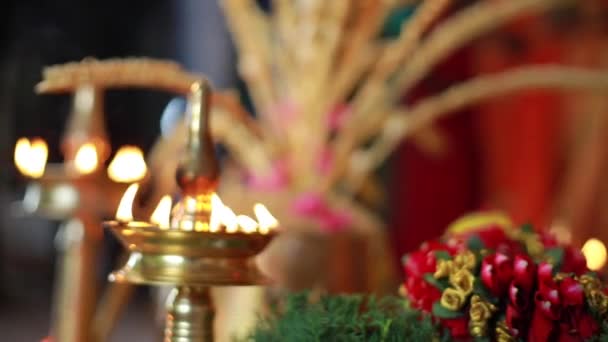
(555, 256)
(443, 312)
(480, 289)
(482, 339)
(475, 243)
(439, 284)
(442, 255)
(528, 228)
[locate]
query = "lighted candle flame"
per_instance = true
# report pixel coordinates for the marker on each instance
(247, 224)
(30, 158)
(162, 214)
(124, 212)
(215, 220)
(229, 219)
(85, 159)
(128, 165)
(266, 221)
(595, 253)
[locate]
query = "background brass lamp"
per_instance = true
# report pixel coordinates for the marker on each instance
(79, 191)
(190, 247)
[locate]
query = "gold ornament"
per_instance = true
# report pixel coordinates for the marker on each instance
(453, 299)
(463, 280)
(589, 282)
(444, 269)
(598, 301)
(502, 332)
(466, 260)
(480, 312)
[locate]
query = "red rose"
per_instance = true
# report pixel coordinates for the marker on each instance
(496, 273)
(459, 327)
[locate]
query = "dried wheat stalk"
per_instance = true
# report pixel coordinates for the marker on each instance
(402, 123)
(453, 33)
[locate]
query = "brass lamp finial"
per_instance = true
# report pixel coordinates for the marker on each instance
(198, 172)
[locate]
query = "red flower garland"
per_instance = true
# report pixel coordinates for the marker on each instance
(487, 279)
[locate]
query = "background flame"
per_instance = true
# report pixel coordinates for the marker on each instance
(128, 165)
(124, 211)
(30, 158)
(86, 159)
(595, 254)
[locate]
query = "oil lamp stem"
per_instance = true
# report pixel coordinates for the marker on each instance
(190, 315)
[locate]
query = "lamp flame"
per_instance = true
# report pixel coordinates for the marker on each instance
(266, 221)
(128, 165)
(595, 253)
(229, 219)
(162, 214)
(215, 220)
(86, 159)
(247, 224)
(30, 158)
(124, 212)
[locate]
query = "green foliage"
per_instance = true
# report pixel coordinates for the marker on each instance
(443, 312)
(344, 318)
(440, 284)
(602, 336)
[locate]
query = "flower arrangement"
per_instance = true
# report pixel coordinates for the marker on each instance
(486, 279)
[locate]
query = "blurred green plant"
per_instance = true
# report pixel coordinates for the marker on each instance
(344, 318)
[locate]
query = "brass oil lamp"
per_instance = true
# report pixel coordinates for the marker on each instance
(198, 244)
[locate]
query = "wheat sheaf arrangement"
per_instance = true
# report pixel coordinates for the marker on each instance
(326, 86)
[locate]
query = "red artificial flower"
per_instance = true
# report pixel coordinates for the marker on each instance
(586, 325)
(571, 292)
(516, 321)
(497, 273)
(548, 239)
(520, 297)
(573, 261)
(541, 327)
(420, 262)
(545, 272)
(421, 294)
(459, 327)
(548, 300)
(524, 272)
